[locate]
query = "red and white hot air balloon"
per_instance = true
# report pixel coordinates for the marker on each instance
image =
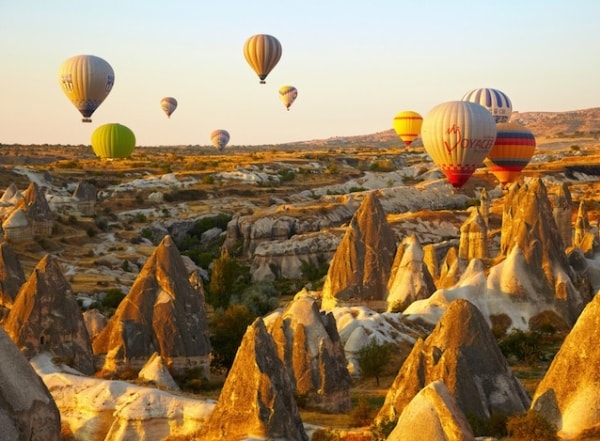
(458, 135)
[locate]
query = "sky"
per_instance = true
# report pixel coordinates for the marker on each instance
(355, 64)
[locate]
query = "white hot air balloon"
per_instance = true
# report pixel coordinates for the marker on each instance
(168, 104)
(497, 102)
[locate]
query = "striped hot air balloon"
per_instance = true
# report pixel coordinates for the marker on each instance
(219, 138)
(287, 95)
(495, 101)
(262, 53)
(86, 80)
(168, 104)
(113, 141)
(458, 135)
(407, 125)
(512, 151)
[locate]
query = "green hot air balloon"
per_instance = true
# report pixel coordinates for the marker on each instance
(113, 141)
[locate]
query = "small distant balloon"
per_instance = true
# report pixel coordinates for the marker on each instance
(512, 151)
(497, 102)
(458, 135)
(262, 52)
(219, 138)
(86, 80)
(168, 104)
(407, 125)
(113, 141)
(287, 95)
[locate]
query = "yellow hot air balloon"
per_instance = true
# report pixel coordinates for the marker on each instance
(168, 104)
(407, 125)
(113, 141)
(219, 138)
(287, 95)
(262, 53)
(512, 151)
(86, 80)
(458, 135)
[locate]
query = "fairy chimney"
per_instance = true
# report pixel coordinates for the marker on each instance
(11, 278)
(46, 317)
(360, 268)
(473, 238)
(37, 210)
(562, 211)
(162, 313)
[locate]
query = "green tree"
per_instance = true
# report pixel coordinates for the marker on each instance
(223, 277)
(227, 330)
(373, 358)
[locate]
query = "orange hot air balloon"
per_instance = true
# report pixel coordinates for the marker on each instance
(512, 151)
(407, 125)
(262, 52)
(458, 135)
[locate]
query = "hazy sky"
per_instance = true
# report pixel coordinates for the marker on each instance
(355, 64)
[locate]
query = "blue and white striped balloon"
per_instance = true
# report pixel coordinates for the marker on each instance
(497, 102)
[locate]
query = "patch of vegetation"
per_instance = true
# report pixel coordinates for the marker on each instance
(531, 426)
(373, 359)
(227, 329)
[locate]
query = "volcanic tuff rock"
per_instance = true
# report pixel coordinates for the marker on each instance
(38, 211)
(156, 372)
(450, 269)
(257, 398)
(361, 266)
(473, 242)
(569, 394)
(11, 278)
(162, 313)
(309, 345)
(432, 414)
(529, 230)
(27, 410)
(410, 279)
(462, 352)
(46, 317)
(562, 211)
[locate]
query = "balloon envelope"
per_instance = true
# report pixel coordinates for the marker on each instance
(458, 135)
(219, 138)
(512, 151)
(287, 95)
(262, 52)
(407, 125)
(86, 80)
(495, 101)
(113, 141)
(168, 104)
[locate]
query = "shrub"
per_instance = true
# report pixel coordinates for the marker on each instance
(227, 330)
(373, 358)
(113, 298)
(524, 346)
(362, 414)
(531, 426)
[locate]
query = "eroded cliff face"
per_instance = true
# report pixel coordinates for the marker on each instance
(463, 354)
(257, 398)
(11, 278)
(162, 313)
(361, 266)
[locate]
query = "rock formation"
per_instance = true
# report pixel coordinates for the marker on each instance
(562, 212)
(450, 269)
(162, 313)
(27, 410)
(11, 278)
(257, 399)
(410, 279)
(37, 210)
(94, 321)
(46, 317)
(569, 394)
(530, 234)
(462, 352)
(156, 372)
(310, 348)
(484, 203)
(360, 268)
(432, 414)
(585, 238)
(473, 238)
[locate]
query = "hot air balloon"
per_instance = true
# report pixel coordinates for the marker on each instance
(512, 151)
(287, 95)
(86, 80)
(458, 135)
(113, 141)
(168, 104)
(262, 53)
(495, 101)
(219, 138)
(407, 125)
